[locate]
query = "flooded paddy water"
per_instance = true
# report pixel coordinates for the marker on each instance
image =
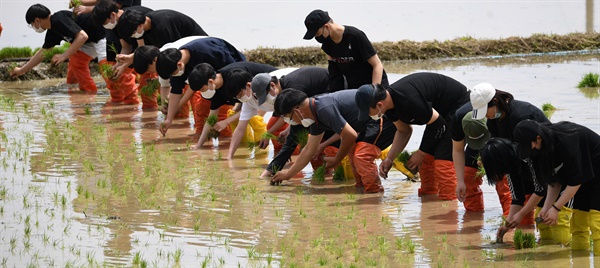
(83, 183)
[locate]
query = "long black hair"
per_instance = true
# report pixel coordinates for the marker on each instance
(499, 157)
(502, 99)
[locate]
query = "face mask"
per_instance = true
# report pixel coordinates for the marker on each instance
(377, 116)
(137, 35)
(110, 25)
(209, 93)
(498, 114)
(306, 122)
(244, 98)
(290, 121)
(38, 30)
(321, 38)
(270, 99)
(179, 72)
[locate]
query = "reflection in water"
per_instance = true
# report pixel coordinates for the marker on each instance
(97, 184)
(589, 16)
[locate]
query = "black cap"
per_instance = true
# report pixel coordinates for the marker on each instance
(524, 133)
(315, 20)
(363, 98)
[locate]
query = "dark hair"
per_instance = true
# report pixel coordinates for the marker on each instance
(287, 100)
(499, 157)
(36, 11)
(236, 81)
(379, 94)
(503, 100)
(102, 10)
(166, 63)
(143, 57)
(129, 22)
(200, 74)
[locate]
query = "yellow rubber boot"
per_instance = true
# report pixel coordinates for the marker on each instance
(248, 136)
(347, 168)
(580, 230)
(561, 232)
(397, 164)
(259, 127)
(595, 228)
(545, 231)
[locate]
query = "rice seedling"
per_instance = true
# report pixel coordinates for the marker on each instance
(548, 109)
(269, 136)
(15, 52)
(338, 174)
(107, 71)
(480, 169)
(523, 240)
(150, 88)
(211, 120)
(319, 174)
(301, 138)
(589, 80)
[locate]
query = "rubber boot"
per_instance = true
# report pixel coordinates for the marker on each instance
(445, 175)
(185, 110)
(199, 116)
(248, 135)
(330, 151)
(276, 144)
(149, 95)
(223, 111)
(474, 194)
(259, 127)
(544, 230)
(79, 68)
(126, 84)
(504, 195)
(115, 93)
(347, 166)
(595, 230)
(580, 230)
(363, 160)
(397, 164)
(427, 171)
(561, 232)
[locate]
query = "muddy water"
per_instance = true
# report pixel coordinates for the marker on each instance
(83, 183)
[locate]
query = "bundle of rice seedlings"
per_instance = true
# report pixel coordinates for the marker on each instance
(113, 48)
(319, 174)
(589, 80)
(338, 173)
(302, 138)
(403, 158)
(523, 240)
(107, 71)
(211, 120)
(251, 145)
(480, 169)
(548, 109)
(74, 3)
(151, 87)
(269, 136)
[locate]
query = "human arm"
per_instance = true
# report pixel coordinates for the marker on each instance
(278, 124)
(77, 43)
(515, 218)
(205, 130)
(174, 98)
(348, 138)
(301, 161)
(187, 95)
(37, 58)
(552, 208)
(377, 69)
(458, 158)
(401, 138)
(236, 137)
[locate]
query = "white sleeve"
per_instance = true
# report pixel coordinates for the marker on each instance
(247, 112)
(164, 82)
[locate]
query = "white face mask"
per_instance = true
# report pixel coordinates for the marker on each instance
(137, 35)
(377, 116)
(270, 99)
(37, 30)
(110, 25)
(244, 98)
(179, 72)
(208, 93)
(289, 121)
(306, 122)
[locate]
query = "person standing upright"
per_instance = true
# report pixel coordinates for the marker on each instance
(352, 59)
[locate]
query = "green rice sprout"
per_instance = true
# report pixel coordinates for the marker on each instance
(268, 136)
(74, 3)
(302, 137)
(113, 48)
(480, 169)
(319, 174)
(548, 109)
(403, 157)
(15, 52)
(211, 120)
(338, 174)
(523, 240)
(251, 145)
(107, 71)
(589, 80)
(150, 87)
(49, 53)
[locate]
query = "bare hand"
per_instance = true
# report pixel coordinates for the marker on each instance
(551, 217)
(283, 135)
(118, 70)
(220, 126)
(415, 160)
(279, 177)
(500, 233)
(58, 58)
(164, 127)
(263, 143)
(385, 167)
(17, 71)
(461, 191)
(81, 10)
(330, 161)
(513, 222)
(124, 59)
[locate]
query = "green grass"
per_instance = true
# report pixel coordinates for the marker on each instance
(589, 80)
(15, 52)
(48, 54)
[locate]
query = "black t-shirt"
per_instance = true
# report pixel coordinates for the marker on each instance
(64, 27)
(310, 80)
(521, 181)
(334, 110)
(220, 98)
(214, 51)
(576, 155)
(129, 39)
(519, 111)
(129, 3)
(169, 26)
(416, 94)
(350, 60)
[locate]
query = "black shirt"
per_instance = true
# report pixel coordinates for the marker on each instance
(332, 111)
(129, 3)
(416, 94)
(214, 51)
(310, 80)
(64, 27)
(350, 60)
(169, 26)
(519, 111)
(129, 39)
(220, 98)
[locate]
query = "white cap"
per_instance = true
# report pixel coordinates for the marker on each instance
(481, 95)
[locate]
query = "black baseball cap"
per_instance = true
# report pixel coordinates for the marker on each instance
(363, 98)
(315, 20)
